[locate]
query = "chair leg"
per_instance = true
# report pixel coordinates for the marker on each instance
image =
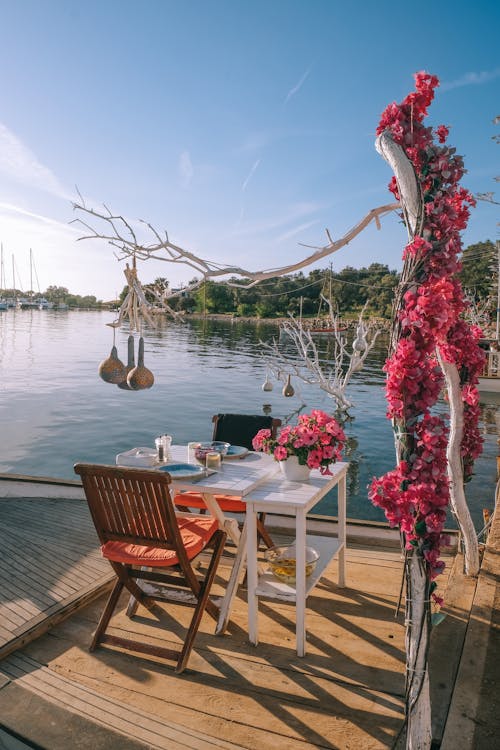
(106, 614)
(262, 531)
(127, 578)
(219, 540)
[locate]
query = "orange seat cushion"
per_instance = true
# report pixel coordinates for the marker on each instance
(196, 532)
(228, 503)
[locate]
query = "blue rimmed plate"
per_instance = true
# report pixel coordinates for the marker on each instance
(184, 471)
(236, 451)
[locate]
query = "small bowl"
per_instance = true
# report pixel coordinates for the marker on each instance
(220, 446)
(202, 449)
(282, 562)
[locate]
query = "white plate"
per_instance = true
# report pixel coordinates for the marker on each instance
(235, 451)
(184, 471)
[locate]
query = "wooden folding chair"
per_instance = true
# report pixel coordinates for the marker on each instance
(237, 429)
(142, 536)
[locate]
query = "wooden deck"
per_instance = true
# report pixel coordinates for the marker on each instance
(347, 692)
(49, 565)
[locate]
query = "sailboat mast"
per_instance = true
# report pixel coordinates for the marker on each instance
(498, 292)
(31, 272)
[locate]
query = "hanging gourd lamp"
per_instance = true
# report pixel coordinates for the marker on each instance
(130, 364)
(112, 369)
(140, 378)
(288, 389)
(267, 385)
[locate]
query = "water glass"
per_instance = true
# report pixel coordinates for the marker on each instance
(166, 441)
(213, 460)
(191, 452)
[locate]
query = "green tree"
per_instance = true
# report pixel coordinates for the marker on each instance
(56, 293)
(479, 269)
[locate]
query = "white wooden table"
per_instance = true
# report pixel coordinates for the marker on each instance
(295, 499)
(257, 481)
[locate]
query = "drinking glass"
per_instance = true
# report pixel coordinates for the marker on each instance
(166, 441)
(160, 452)
(213, 460)
(191, 449)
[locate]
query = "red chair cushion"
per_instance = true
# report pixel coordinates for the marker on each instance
(228, 503)
(196, 532)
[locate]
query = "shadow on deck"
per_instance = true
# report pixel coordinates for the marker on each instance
(347, 692)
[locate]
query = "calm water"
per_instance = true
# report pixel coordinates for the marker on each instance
(55, 410)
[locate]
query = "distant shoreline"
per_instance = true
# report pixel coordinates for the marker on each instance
(351, 322)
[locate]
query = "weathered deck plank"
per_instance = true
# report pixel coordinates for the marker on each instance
(49, 564)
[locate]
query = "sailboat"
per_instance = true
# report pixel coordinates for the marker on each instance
(3, 303)
(31, 302)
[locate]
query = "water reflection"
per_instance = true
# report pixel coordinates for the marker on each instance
(56, 410)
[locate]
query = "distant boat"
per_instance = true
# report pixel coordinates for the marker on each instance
(27, 303)
(3, 305)
(325, 326)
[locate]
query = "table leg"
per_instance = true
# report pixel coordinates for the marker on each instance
(342, 492)
(252, 576)
(300, 583)
(230, 525)
(227, 601)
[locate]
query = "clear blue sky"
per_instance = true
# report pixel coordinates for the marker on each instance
(242, 128)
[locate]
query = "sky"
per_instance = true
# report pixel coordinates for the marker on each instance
(240, 128)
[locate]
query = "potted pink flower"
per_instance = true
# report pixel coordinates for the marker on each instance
(315, 442)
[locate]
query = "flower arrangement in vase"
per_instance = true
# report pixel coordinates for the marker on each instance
(316, 441)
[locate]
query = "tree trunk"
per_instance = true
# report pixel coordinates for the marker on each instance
(418, 705)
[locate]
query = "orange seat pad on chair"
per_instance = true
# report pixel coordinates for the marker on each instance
(196, 531)
(228, 503)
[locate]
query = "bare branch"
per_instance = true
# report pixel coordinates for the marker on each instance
(121, 235)
(332, 376)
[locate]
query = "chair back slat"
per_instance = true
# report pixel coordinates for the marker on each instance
(130, 505)
(239, 429)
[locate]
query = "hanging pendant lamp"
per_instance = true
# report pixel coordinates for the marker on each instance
(267, 385)
(288, 389)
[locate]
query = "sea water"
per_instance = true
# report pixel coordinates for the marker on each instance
(55, 410)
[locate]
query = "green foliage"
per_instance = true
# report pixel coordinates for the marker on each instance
(479, 269)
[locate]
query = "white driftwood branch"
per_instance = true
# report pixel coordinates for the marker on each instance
(136, 307)
(408, 187)
(455, 469)
(305, 363)
(121, 236)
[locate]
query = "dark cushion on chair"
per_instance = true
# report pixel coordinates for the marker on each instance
(239, 429)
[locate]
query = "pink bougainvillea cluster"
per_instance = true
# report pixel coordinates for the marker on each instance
(317, 440)
(415, 494)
